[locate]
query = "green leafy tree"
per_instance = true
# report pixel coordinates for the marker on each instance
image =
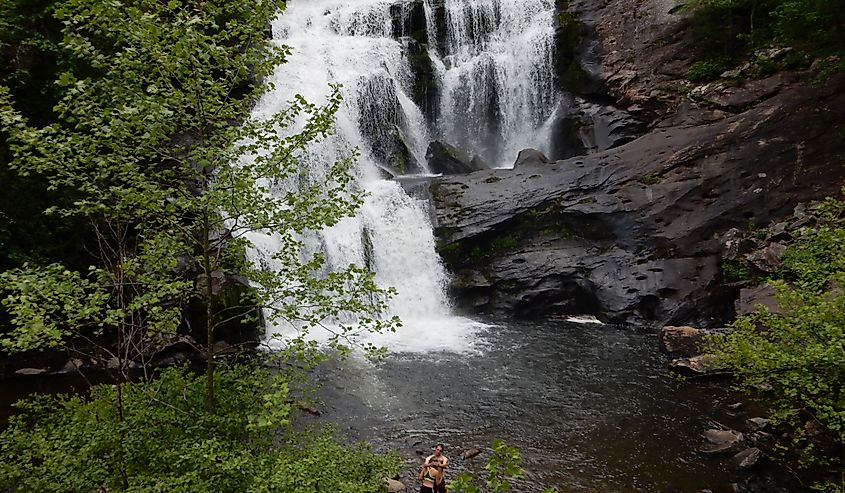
(152, 135)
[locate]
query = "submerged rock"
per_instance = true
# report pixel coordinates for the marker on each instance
(721, 442)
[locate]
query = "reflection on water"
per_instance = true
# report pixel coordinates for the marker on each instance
(590, 406)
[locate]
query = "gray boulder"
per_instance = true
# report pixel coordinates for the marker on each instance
(530, 157)
(447, 159)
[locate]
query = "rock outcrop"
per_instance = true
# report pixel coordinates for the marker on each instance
(447, 159)
(631, 234)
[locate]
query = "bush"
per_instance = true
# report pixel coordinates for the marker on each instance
(706, 70)
(167, 441)
(797, 357)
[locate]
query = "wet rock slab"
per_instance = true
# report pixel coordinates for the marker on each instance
(632, 234)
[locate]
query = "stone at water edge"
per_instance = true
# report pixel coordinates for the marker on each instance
(747, 459)
(394, 486)
(757, 424)
(680, 341)
(697, 366)
(721, 441)
(73, 364)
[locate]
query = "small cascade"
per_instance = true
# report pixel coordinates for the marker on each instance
(497, 76)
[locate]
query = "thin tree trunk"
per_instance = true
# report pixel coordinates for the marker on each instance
(209, 322)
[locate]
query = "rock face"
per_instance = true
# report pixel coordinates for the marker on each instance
(631, 234)
(449, 160)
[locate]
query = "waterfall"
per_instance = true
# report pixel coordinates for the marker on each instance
(475, 73)
(497, 76)
(353, 43)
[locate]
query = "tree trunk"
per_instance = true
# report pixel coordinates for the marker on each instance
(209, 314)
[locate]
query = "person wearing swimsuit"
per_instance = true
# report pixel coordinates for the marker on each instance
(433, 469)
(430, 476)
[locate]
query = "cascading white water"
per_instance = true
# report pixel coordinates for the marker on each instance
(351, 43)
(497, 76)
(492, 71)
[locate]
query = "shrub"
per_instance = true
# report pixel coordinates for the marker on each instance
(167, 440)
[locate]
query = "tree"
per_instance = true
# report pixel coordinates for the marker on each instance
(152, 135)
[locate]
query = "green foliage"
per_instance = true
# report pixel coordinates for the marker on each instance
(650, 179)
(798, 356)
(503, 466)
(725, 30)
(568, 40)
(152, 136)
(704, 70)
(734, 270)
(817, 255)
(503, 243)
(166, 440)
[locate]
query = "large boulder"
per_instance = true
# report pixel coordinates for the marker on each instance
(750, 299)
(530, 157)
(631, 234)
(447, 159)
(680, 341)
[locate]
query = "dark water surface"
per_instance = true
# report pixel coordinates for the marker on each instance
(591, 407)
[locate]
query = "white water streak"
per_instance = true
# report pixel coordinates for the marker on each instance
(346, 42)
(497, 75)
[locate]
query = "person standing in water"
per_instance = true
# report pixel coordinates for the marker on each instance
(432, 473)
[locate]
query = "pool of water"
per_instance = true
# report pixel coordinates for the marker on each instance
(591, 407)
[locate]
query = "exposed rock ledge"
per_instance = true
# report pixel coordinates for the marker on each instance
(629, 234)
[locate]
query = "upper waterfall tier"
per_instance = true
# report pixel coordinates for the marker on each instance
(495, 68)
(478, 74)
